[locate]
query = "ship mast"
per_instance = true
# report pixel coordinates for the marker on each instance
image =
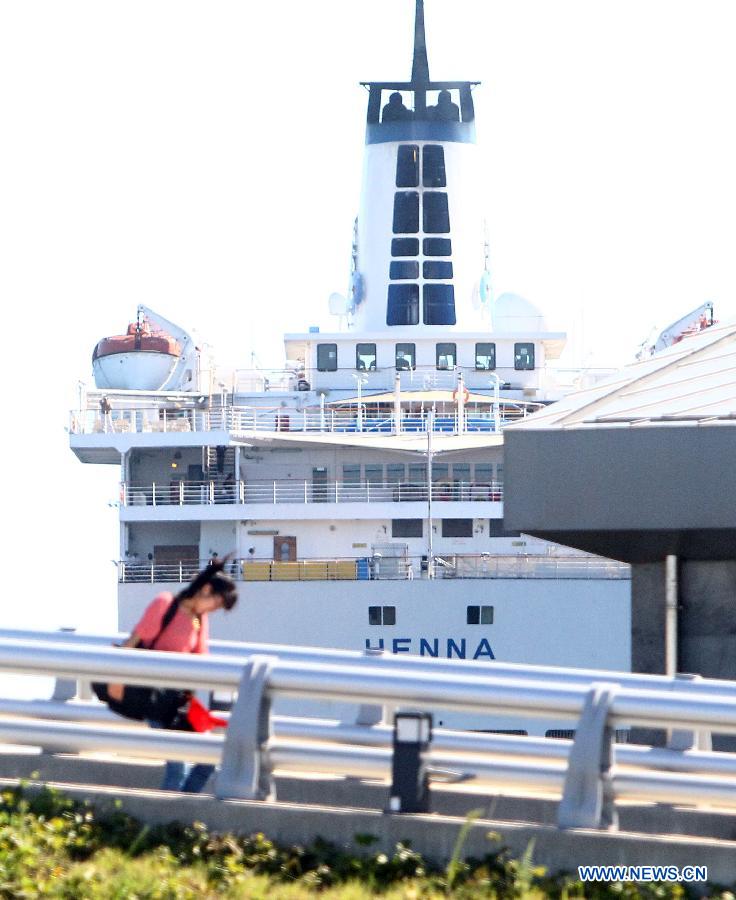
(420, 67)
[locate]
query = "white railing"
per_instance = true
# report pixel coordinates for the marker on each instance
(195, 493)
(375, 568)
(589, 774)
(271, 420)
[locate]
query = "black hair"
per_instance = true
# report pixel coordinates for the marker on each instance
(219, 583)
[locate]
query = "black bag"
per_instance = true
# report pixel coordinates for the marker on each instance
(148, 703)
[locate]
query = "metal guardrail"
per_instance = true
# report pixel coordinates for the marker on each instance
(194, 493)
(588, 774)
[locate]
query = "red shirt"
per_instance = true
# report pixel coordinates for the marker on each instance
(183, 634)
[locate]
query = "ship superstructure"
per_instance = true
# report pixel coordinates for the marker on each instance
(359, 488)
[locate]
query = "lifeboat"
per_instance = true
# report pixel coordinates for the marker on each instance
(140, 360)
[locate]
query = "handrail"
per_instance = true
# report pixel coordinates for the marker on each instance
(516, 764)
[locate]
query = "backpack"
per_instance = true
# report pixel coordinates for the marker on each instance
(142, 703)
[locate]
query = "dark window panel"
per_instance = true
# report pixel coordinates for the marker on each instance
(403, 304)
(436, 216)
(439, 304)
(404, 269)
(406, 356)
(389, 615)
(326, 357)
(407, 528)
(485, 357)
(523, 356)
(365, 357)
(374, 615)
(437, 247)
(437, 269)
(446, 356)
(407, 166)
(473, 615)
(405, 247)
(457, 528)
(496, 529)
(406, 212)
(486, 615)
(433, 167)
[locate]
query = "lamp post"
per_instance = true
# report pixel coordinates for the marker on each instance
(360, 380)
(496, 384)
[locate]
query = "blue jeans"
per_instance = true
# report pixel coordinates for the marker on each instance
(181, 776)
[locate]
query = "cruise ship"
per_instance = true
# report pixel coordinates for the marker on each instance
(357, 488)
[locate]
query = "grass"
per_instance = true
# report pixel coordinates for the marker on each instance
(52, 846)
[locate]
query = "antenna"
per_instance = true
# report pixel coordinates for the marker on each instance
(420, 68)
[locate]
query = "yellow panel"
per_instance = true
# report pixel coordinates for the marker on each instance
(342, 570)
(285, 571)
(256, 571)
(314, 571)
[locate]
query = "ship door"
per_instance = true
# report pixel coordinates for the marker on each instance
(319, 484)
(284, 549)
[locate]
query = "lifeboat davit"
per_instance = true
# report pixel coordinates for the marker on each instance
(140, 360)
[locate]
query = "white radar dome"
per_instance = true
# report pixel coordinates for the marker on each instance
(514, 313)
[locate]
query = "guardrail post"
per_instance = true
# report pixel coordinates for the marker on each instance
(681, 739)
(409, 776)
(587, 800)
(245, 773)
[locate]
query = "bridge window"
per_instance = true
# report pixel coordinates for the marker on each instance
(381, 615)
(395, 473)
(407, 166)
(458, 528)
(439, 304)
(484, 473)
(350, 473)
(403, 304)
(327, 357)
(485, 357)
(437, 269)
(404, 269)
(446, 356)
(365, 357)
(437, 247)
(374, 473)
(433, 167)
(436, 213)
(406, 356)
(523, 356)
(405, 247)
(406, 212)
(479, 615)
(407, 528)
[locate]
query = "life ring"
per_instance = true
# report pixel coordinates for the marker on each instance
(466, 395)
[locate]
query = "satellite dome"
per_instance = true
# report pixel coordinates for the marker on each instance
(514, 313)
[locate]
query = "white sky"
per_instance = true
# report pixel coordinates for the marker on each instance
(205, 159)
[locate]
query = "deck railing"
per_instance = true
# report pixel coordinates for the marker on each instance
(384, 568)
(195, 493)
(590, 775)
(238, 420)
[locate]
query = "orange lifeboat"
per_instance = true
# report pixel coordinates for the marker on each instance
(142, 359)
(139, 339)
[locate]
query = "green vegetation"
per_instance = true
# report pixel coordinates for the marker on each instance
(52, 846)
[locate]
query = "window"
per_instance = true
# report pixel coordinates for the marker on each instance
(403, 304)
(395, 473)
(365, 357)
(407, 166)
(433, 167)
(439, 304)
(523, 356)
(457, 528)
(327, 357)
(446, 356)
(496, 529)
(485, 357)
(461, 472)
(436, 214)
(437, 247)
(480, 615)
(404, 269)
(350, 473)
(407, 528)
(406, 212)
(405, 247)
(440, 472)
(417, 473)
(484, 473)
(373, 473)
(381, 615)
(437, 269)
(406, 356)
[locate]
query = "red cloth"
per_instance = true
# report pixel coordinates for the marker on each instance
(181, 635)
(201, 719)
